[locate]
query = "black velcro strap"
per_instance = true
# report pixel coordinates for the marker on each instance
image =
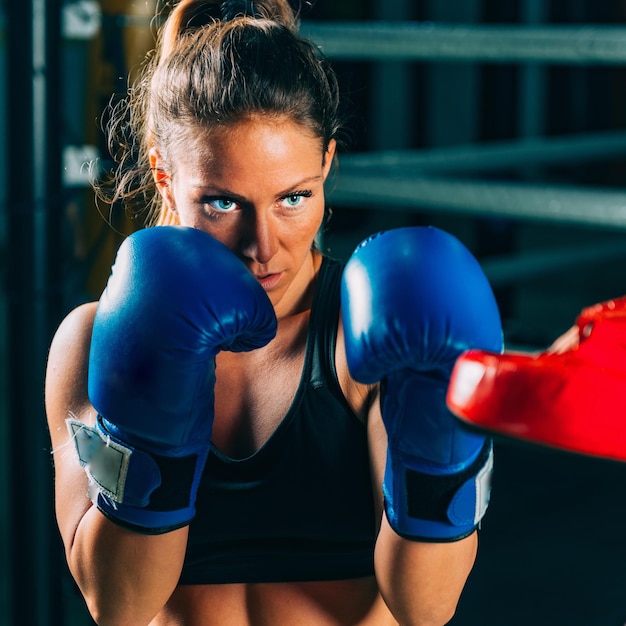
(177, 475)
(428, 496)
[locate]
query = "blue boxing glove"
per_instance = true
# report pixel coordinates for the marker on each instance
(175, 298)
(414, 299)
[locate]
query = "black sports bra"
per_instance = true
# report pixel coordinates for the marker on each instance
(301, 507)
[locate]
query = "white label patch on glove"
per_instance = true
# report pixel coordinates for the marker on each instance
(483, 489)
(470, 502)
(105, 461)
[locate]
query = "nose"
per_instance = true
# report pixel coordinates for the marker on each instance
(260, 241)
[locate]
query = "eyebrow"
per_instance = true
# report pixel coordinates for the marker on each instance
(222, 191)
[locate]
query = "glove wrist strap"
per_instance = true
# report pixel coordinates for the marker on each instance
(427, 506)
(144, 491)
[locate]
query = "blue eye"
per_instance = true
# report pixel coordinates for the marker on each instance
(222, 204)
(293, 200)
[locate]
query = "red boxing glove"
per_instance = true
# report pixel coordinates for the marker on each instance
(573, 401)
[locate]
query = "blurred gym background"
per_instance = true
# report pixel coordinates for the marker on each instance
(503, 122)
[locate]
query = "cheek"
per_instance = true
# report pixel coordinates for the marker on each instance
(226, 231)
(189, 218)
(192, 221)
(315, 217)
(302, 231)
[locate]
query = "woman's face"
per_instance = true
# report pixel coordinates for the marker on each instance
(258, 187)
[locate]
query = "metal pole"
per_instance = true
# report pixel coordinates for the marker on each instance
(532, 79)
(5, 569)
(34, 219)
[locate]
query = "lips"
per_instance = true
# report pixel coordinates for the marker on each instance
(269, 281)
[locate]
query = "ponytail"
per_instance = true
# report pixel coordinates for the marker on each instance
(190, 15)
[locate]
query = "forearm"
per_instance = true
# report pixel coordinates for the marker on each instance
(125, 577)
(422, 582)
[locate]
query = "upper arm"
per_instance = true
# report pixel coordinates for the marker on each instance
(66, 394)
(364, 401)
(106, 560)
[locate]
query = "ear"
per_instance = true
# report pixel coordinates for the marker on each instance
(329, 155)
(162, 179)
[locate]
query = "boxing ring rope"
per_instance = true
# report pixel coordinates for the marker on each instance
(378, 41)
(427, 41)
(514, 269)
(555, 203)
(493, 156)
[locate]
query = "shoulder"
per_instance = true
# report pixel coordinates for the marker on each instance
(365, 403)
(360, 397)
(66, 374)
(73, 335)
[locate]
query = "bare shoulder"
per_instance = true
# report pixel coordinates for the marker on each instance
(66, 374)
(365, 402)
(360, 397)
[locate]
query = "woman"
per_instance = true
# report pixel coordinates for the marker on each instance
(237, 124)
